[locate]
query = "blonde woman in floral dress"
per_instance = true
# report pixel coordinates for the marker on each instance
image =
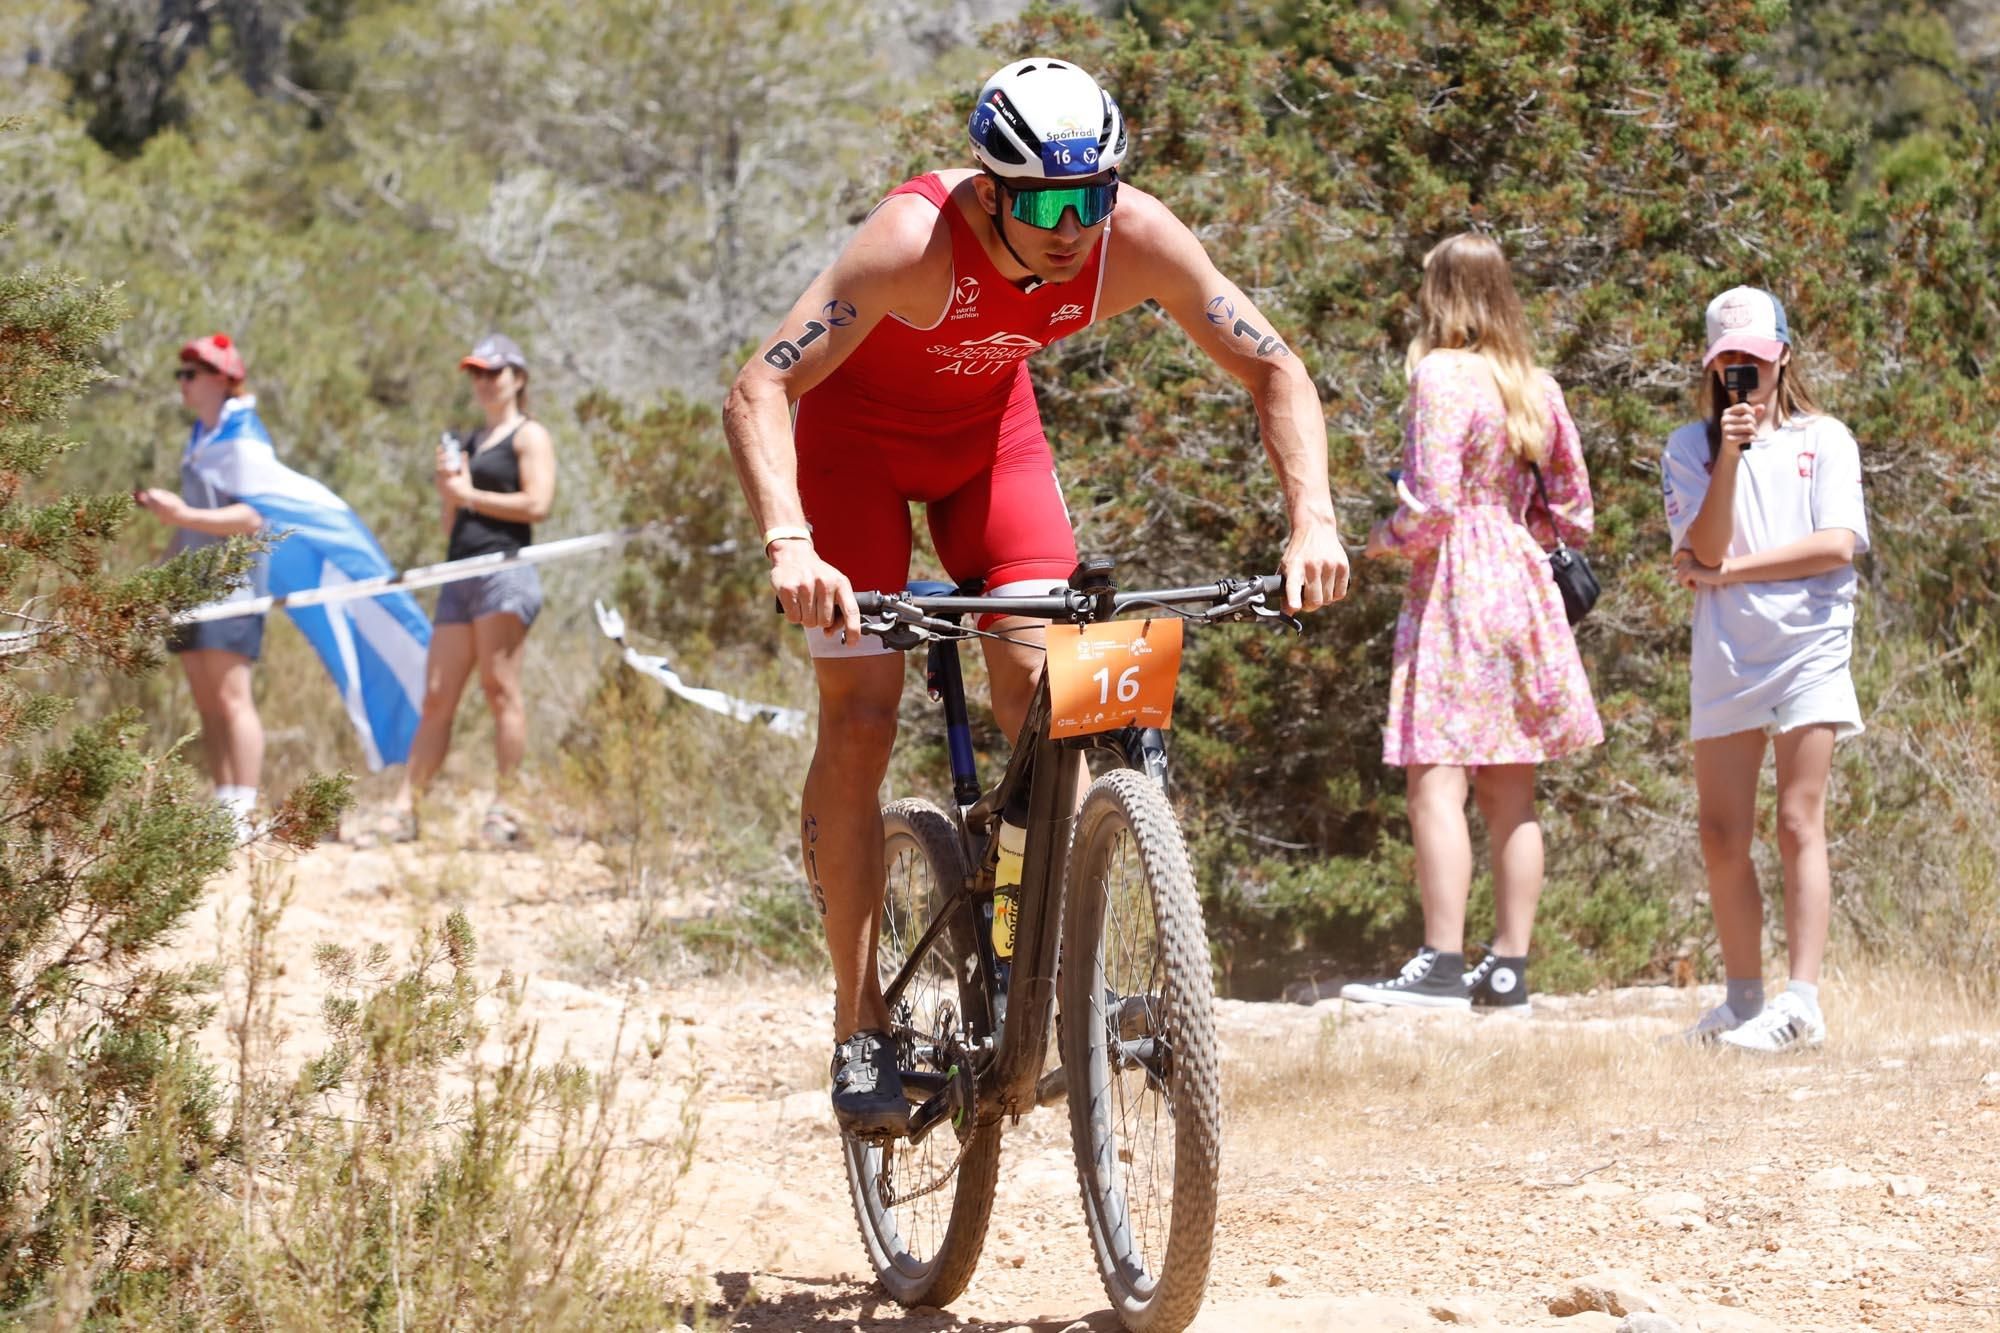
(1487, 682)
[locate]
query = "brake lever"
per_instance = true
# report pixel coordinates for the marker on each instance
(1263, 611)
(1250, 602)
(896, 634)
(905, 627)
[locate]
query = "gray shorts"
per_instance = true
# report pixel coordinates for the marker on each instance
(517, 591)
(243, 635)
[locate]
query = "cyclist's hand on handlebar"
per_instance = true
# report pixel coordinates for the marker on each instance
(810, 591)
(1315, 567)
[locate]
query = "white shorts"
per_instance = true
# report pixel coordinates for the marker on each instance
(1827, 701)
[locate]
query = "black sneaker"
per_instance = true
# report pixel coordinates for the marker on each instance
(867, 1091)
(1421, 982)
(1499, 983)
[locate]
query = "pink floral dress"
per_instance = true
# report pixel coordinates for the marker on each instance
(1486, 668)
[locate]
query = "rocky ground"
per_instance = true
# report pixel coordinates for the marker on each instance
(1384, 1170)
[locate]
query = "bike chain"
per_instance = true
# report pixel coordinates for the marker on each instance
(898, 1200)
(883, 1185)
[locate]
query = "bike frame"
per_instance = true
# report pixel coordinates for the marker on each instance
(1020, 1015)
(1022, 1011)
(1055, 771)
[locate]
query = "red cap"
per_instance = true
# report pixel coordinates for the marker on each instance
(218, 353)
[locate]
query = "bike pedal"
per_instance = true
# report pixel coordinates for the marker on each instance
(880, 1138)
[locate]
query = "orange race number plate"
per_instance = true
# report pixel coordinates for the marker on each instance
(1102, 677)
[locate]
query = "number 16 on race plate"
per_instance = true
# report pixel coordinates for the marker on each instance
(1102, 677)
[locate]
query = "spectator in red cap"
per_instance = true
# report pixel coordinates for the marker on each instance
(504, 484)
(217, 654)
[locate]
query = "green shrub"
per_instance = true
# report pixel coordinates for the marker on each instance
(1318, 151)
(107, 1116)
(396, 1179)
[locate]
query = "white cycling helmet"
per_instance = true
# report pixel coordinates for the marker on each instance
(1046, 120)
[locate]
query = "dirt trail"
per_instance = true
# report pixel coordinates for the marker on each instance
(1383, 1170)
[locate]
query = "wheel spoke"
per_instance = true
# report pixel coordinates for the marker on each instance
(923, 1206)
(1142, 1117)
(921, 1220)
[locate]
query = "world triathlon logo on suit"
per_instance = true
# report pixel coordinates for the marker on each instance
(965, 298)
(995, 354)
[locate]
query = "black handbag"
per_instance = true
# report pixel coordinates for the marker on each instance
(1574, 580)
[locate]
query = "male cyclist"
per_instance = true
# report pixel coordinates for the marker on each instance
(906, 364)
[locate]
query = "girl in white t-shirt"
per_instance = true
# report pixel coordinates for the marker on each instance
(1764, 502)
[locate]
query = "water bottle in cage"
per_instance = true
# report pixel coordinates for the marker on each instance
(1007, 886)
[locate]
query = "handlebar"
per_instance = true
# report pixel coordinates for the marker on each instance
(910, 617)
(1067, 603)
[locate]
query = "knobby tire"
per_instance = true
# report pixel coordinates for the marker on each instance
(1135, 951)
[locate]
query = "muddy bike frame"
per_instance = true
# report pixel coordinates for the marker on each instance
(1012, 1036)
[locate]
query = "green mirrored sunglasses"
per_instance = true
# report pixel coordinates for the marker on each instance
(1045, 208)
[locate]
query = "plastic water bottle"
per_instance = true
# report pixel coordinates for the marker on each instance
(454, 452)
(1007, 886)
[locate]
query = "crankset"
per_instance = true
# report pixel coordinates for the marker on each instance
(955, 1099)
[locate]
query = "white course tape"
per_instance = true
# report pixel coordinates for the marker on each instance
(424, 576)
(21, 640)
(784, 721)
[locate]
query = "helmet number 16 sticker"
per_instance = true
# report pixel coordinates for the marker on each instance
(1102, 677)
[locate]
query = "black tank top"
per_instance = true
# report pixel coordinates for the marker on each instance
(496, 467)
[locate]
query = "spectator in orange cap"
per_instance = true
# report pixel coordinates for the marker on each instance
(502, 484)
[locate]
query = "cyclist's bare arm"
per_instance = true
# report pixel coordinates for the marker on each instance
(1154, 257)
(899, 261)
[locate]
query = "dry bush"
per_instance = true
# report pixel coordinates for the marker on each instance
(429, 1168)
(697, 815)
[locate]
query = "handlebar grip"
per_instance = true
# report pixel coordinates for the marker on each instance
(867, 603)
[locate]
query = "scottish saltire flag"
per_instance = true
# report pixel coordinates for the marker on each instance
(373, 647)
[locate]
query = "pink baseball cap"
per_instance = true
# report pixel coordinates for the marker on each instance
(1747, 319)
(217, 352)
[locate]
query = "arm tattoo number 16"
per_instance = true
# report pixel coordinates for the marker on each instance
(1266, 342)
(786, 353)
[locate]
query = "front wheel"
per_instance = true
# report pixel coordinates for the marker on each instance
(1139, 1048)
(923, 1207)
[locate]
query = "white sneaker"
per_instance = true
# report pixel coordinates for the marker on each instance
(1786, 1024)
(1708, 1029)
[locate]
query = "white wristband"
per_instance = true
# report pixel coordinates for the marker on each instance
(786, 532)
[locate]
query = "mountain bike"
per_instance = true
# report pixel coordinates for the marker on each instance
(1044, 894)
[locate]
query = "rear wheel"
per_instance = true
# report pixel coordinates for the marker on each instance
(1139, 1051)
(923, 1207)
